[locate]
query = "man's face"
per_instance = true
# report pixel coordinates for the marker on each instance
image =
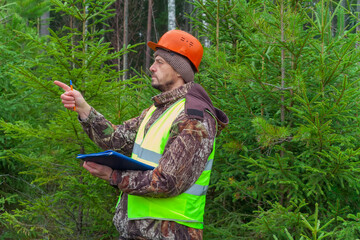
(164, 77)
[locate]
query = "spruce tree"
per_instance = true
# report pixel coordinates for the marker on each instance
(65, 199)
(287, 166)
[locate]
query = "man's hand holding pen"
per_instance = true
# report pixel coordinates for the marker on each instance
(73, 100)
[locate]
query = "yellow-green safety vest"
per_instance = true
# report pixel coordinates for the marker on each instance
(186, 208)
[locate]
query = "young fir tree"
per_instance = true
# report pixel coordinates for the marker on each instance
(15, 105)
(290, 86)
(65, 200)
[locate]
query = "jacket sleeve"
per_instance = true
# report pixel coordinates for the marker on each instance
(109, 136)
(183, 161)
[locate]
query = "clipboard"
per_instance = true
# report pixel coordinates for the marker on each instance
(115, 160)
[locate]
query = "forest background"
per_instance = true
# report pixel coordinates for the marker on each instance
(286, 72)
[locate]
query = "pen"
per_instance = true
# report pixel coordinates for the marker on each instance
(71, 86)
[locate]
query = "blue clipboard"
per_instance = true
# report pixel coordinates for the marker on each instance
(115, 160)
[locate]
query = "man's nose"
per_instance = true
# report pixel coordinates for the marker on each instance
(152, 68)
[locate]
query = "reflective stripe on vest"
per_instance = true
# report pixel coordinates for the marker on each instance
(150, 151)
(186, 208)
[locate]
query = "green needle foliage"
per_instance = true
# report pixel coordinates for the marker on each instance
(285, 72)
(287, 166)
(16, 104)
(59, 198)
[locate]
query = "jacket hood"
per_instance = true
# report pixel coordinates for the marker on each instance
(198, 101)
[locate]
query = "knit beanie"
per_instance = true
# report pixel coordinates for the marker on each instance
(178, 62)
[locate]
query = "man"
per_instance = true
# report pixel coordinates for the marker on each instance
(176, 134)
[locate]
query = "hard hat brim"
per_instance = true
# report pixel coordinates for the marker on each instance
(152, 45)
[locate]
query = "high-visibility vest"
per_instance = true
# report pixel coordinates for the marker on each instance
(186, 208)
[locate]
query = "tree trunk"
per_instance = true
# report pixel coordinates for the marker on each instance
(171, 15)
(117, 34)
(358, 20)
(282, 117)
(126, 32)
(44, 24)
(84, 30)
(80, 216)
(71, 24)
(282, 62)
(206, 38)
(84, 33)
(341, 19)
(188, 9)
(345, 16)
(148, 34)
(217, 26)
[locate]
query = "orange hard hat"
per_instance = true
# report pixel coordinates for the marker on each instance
(182, 43)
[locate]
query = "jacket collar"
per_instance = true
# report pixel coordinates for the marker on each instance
(169, 97)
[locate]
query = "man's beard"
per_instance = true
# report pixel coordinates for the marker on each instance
(163, 87)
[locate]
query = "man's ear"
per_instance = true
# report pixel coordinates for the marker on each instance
(178, 75)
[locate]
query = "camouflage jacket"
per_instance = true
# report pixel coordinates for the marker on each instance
(186, 153)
